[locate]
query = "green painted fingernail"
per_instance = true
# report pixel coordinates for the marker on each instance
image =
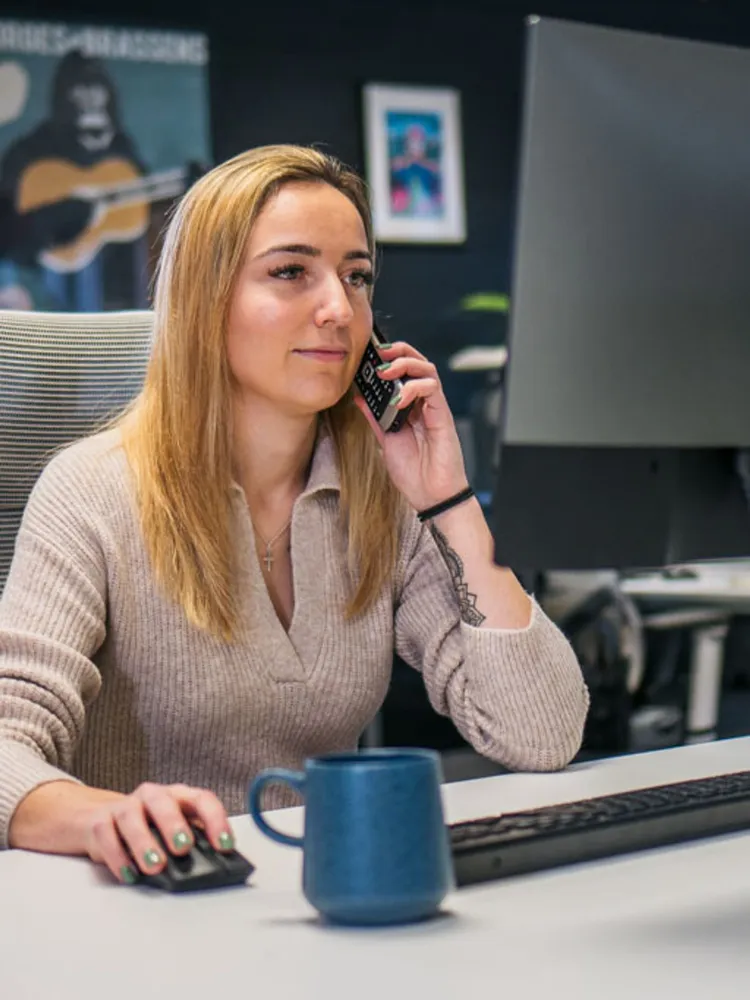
(385, 345)
(386, 364)
(128, 875)
(226, 841)
(396, 399)
(181, 839)
(151, 857)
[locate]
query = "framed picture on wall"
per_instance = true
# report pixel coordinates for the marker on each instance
(414, 163)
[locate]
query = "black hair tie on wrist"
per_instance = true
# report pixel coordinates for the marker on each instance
(439, 508)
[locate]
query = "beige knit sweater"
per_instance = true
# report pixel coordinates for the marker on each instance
(103, 678)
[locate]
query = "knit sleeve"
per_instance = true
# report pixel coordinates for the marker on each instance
(516, 695)
(52, 621)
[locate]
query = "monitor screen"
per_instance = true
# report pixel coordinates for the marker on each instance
(630, 305)
(626, 391)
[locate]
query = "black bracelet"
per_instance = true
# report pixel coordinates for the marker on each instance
(439, 508)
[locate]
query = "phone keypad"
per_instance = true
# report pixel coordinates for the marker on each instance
(376, 392)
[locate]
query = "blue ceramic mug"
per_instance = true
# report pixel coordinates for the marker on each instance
(375, 846)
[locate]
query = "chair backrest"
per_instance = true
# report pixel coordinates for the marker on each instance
(61, 376)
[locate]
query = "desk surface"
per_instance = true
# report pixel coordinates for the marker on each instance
(668, 923)
(718, 587)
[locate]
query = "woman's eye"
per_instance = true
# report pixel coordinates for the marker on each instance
(360, 279)
(288, 273)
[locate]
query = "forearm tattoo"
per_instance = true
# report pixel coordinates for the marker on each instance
(466, 601)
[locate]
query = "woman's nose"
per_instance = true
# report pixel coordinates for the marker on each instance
(335, 306)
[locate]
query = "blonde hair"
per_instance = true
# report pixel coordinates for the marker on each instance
(177, 434)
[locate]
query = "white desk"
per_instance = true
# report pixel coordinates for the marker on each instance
(704, 604)
(663, 924)
(715, 586)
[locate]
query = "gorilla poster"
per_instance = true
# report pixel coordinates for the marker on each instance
(100, 131)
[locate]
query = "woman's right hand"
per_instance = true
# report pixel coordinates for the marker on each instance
(122, 824)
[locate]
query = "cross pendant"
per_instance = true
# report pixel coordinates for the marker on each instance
(268, 558)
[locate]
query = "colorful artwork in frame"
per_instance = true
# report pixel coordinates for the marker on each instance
(414, 163)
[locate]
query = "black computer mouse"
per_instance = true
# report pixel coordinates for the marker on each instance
(202, 868)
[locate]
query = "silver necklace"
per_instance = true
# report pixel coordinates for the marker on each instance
(268, 557)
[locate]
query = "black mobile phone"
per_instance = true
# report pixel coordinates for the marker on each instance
(378, 393)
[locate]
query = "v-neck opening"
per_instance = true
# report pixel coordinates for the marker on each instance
(271, 606)
(290, 654)
(270, 613)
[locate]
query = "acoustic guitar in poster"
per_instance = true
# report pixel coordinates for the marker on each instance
(119, 194)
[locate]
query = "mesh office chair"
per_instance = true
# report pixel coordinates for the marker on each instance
(61, 376)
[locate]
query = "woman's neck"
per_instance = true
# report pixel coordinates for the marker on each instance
(272, 455)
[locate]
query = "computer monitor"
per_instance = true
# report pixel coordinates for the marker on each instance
(627, 386)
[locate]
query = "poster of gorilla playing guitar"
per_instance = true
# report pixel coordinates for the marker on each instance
(101, 129)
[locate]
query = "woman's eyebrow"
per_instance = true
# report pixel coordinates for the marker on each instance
(307, 250)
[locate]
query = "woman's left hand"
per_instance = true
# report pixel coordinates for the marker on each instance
(424, 458)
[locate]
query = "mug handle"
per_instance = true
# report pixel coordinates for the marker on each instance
(274, 775)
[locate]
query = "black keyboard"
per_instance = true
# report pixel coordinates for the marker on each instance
(500, 846)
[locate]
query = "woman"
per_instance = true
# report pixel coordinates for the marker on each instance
(217, 583)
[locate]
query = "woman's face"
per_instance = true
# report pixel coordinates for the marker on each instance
(300, 316)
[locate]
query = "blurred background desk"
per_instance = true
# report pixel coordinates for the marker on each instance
(703, 599)
(722, 585)
(66, 931)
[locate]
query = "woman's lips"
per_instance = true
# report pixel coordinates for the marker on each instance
(323, 354)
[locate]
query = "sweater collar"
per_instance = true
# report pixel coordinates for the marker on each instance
(324, 470)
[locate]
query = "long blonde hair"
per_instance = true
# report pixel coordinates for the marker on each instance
(177, 434)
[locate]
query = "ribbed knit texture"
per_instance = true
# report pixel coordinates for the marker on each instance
(102, 678)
